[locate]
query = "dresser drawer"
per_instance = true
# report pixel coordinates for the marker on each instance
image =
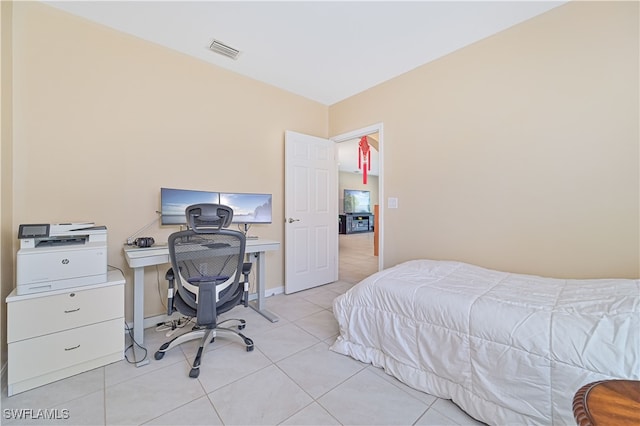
(42, 355)
(38, 316)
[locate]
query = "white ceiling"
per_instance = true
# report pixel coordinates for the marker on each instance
(324, 50)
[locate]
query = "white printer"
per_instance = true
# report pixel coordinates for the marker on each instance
(58, 256)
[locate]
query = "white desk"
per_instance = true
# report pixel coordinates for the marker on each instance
(139, 258)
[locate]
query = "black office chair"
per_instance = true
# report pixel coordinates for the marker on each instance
(209, 261)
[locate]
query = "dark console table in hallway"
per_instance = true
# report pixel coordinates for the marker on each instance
(355, 222)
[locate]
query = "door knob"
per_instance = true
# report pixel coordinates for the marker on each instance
(291, 220)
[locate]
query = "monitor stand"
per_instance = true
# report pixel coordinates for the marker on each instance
(246, 233)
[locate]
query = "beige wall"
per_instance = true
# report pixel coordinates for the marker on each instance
(520, 152)
(6, 189)
(103, 120)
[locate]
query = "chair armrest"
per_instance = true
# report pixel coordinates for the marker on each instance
(169, 276)
(246, 270)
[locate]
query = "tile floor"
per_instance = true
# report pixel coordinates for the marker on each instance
(291, 378)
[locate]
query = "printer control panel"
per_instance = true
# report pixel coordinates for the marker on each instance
(33, 231)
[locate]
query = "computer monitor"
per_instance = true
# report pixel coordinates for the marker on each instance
(173, 203)
(248, 208)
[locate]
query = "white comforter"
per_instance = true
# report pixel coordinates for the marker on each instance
(507, 348)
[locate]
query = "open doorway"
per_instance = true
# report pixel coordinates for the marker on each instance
(360, 203)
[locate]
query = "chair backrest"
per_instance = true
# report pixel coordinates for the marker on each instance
(207, 264)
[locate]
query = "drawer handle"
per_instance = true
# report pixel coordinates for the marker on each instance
(72, 310)
(70, 349)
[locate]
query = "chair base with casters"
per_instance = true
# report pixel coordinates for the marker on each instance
(206, 336)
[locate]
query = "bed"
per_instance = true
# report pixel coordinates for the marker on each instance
(507, 348)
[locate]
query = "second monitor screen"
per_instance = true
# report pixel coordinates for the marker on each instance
(248, 208)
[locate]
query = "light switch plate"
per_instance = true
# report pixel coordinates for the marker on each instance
(392, 202)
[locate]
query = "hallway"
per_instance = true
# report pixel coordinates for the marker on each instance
(356, 257)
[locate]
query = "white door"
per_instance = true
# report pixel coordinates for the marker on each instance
(311, 212)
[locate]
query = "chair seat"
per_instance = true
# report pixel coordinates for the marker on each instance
(183, 308)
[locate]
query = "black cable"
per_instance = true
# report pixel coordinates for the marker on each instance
(115, 267)
(130, 331)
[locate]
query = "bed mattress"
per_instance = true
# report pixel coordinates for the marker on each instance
(507, 348)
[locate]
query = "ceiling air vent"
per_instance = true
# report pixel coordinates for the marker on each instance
(223, 49)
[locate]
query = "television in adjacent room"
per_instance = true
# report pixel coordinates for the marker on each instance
(248, 208)
(173, 203)
(357, 201)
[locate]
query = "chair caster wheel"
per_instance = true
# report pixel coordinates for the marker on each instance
(241, 327)
(249, 343)
(194, 373)
(158, 355)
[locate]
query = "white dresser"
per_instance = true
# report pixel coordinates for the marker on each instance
(56, 334)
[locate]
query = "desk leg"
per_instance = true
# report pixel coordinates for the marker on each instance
(258, 304)
(138, 317)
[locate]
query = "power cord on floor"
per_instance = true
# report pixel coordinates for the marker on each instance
(131, 346)
(174, 325)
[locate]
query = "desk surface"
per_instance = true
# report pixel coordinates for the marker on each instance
(608, 402)
(158, 254)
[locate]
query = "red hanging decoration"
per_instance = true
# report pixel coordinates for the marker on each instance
(364, 157)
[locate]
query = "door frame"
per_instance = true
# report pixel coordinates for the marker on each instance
(374, 128)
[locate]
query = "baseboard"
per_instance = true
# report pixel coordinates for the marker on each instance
(270, 292)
